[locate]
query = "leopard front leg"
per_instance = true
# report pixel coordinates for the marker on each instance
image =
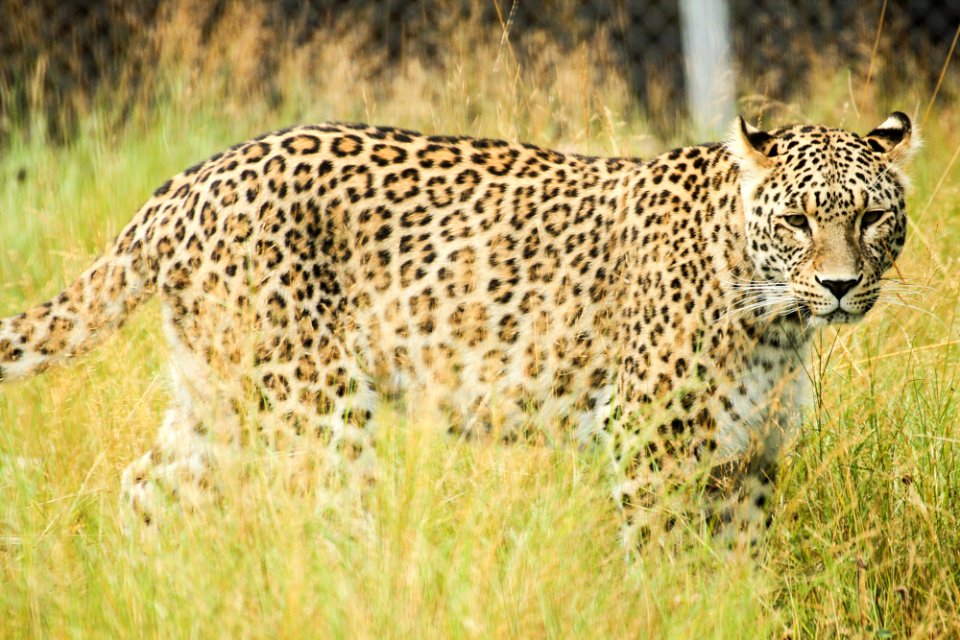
(667, 479)
(669, 472)
(658, 457)
(739, 500)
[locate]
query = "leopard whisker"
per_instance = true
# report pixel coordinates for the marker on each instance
(775, 303)
(894, 301)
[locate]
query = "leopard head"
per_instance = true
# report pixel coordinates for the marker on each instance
(824, 213)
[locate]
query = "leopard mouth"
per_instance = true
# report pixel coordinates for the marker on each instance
(839, 316)
(804, 315)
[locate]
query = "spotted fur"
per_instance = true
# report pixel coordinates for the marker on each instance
(662, 306)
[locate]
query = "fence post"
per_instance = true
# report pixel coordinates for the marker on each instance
(705, 27)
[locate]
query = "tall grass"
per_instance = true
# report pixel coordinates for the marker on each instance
(459, 539)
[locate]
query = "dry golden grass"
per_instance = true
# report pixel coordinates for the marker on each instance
(459, 539)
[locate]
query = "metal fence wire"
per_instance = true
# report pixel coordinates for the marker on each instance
(770, 43)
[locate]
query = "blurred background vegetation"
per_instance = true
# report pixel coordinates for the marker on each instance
(59, 58)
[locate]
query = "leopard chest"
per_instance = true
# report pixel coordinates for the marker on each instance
(760, 403)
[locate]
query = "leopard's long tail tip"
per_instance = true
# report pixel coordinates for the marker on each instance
(34, 340)
(75, 321)
(21, 355)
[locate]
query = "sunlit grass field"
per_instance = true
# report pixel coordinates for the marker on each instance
(465, 539)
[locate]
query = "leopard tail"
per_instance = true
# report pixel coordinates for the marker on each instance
(90, 308)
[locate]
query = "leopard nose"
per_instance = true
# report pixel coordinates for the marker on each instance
(839, 288)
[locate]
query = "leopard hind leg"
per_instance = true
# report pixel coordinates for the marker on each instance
(179, 470)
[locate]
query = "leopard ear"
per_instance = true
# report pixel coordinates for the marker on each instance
(895, 139)
(753, 150)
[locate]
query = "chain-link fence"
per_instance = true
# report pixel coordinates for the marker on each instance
(55, 48)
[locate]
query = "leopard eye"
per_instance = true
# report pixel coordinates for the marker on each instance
(871, 217)
(797, 221)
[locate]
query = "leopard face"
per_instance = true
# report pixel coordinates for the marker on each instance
(825, 215)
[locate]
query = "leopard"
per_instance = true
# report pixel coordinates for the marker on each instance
(664, 308)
